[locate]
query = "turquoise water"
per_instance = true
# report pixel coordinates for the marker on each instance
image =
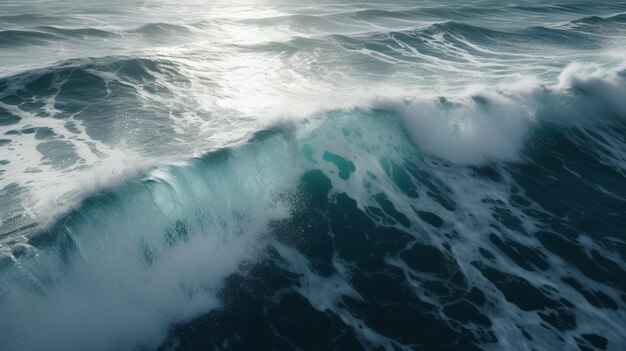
(329, 175)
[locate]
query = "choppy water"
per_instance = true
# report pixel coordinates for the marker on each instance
(315, 175)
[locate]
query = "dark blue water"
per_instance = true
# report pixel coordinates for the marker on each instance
(354, 176)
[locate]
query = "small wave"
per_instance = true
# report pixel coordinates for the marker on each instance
(486, 37)
(371, 14)
(571, 8)
(78, 32)
(32, 19)
(449, 40)
(44, 35)
(17, 38)
(619, 18)
(161, 29)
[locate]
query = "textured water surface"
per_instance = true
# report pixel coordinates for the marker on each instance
(389, 175)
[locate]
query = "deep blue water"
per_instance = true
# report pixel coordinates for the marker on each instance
(389, 175)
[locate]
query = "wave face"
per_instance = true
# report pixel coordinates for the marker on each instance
(352, 175)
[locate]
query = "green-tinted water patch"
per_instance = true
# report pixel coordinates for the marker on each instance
(430, 218)
(346, 167)
(389, 209)
(400, 177)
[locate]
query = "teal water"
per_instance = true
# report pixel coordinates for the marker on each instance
(331, 175)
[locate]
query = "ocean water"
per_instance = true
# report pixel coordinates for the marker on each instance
(312, 175)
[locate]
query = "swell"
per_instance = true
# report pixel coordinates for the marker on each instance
(618, 18)
(460, 12)
(136, 67)
(571, 7)
(69, 89)
(161, 29)
(68, 114)
(49, 34)
(455, 40)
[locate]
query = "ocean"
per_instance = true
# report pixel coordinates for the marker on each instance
(312, 175)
